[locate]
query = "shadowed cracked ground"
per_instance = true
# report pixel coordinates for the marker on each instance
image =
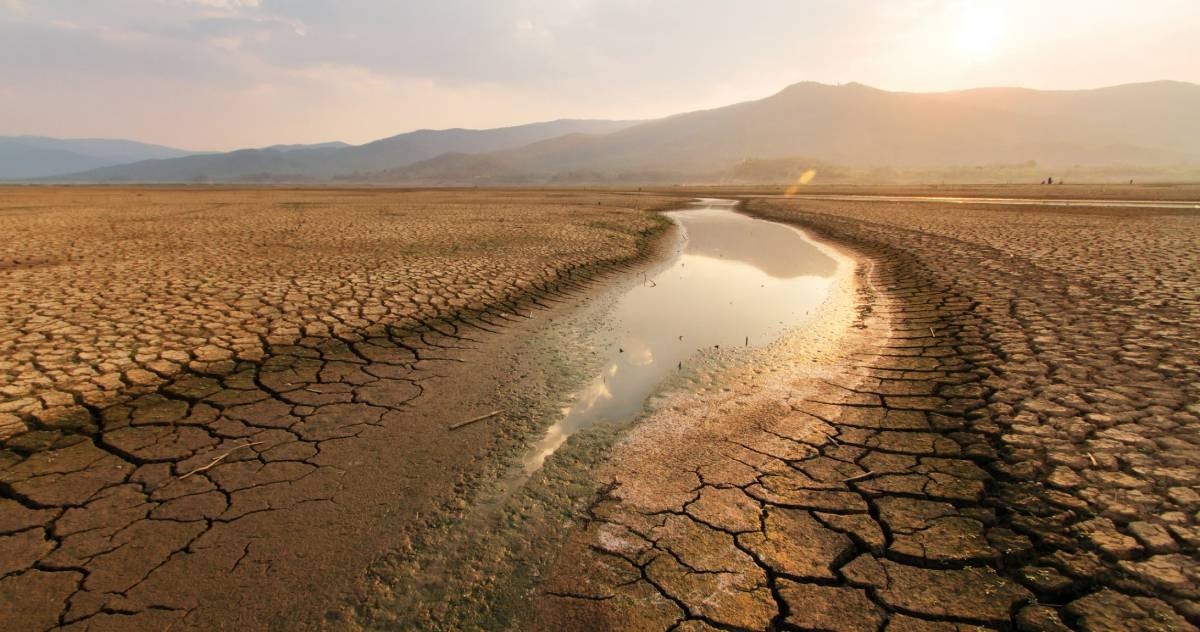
(1012, 443)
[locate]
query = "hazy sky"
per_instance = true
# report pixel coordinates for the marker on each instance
(217, 74)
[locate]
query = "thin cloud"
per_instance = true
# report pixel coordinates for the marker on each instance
(258, 73)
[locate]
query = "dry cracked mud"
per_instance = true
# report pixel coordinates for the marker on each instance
(998, 429)
(216, 404)
(992, 426)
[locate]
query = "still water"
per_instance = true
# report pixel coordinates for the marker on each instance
(734, 281)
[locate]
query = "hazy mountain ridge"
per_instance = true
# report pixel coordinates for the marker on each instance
(41, 156)
(851, 129)
(328, 161)
(854, 125)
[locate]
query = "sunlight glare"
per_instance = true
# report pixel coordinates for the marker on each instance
(804, 179)
(977, 32)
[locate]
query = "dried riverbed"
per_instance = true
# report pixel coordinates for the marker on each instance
(733, 292)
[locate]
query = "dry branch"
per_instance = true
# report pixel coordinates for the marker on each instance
(218, 459)
(859, 477)
(473, 420)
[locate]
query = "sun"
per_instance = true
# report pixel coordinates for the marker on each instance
(977, 32)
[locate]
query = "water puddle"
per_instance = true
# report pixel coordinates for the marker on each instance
(734, 281)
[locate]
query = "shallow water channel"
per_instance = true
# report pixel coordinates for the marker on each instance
(733, 281)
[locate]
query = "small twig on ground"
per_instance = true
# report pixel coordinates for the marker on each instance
(473, 420)
(859, 477)
(1094, 463)
(217, 460)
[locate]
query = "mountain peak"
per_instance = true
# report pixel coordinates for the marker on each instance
(815, 87)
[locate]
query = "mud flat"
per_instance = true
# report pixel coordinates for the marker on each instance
(998, 431)
(220, 405)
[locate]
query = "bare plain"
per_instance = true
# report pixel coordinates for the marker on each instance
(224, 406)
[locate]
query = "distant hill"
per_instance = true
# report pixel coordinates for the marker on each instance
(41, 156)
(1149, 124)
(324, 162)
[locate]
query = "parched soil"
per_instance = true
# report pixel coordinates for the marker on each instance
(220, 407)
(217, 405)
(1008, 438)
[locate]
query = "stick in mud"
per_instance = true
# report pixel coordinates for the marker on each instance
(859, 477)
(218, 460)
(472, 420)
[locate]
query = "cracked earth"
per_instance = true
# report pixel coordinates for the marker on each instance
(211, 400)
(1007, 437)
(218, 405)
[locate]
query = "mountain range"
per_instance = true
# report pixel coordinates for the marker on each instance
(338, 160)
(40, 156)
(1151, 125)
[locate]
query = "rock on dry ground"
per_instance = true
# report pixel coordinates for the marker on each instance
(185, 374)
(1010, 440)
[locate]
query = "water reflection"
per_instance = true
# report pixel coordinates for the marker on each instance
(773, 248)
(735, 281)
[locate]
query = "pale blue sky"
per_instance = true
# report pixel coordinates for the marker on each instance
(218, 74)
